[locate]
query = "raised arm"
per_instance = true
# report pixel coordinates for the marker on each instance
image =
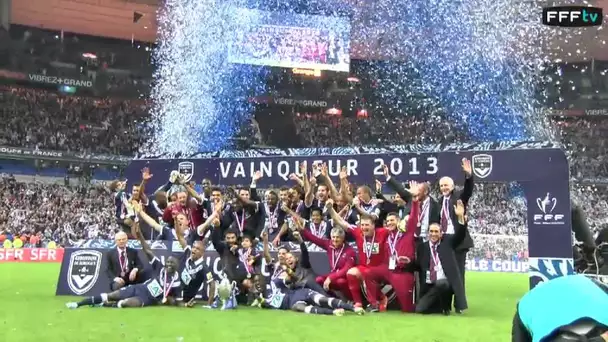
(144, 244)
(193, 194)
(267, 255)
(202, 229)
(144, 216)
(412, 221)
(179, 233)
(344, 185)
(461, 224)
(396, 186)
(145, 177)
(309, 195)
(304, 257)
(333, 192)
(253, 187)
(338, 221)
(467, 192)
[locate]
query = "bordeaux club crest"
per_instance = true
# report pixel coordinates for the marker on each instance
(482, 165)
(83, 271)
(187, 169)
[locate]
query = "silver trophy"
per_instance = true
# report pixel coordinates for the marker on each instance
(225, 291)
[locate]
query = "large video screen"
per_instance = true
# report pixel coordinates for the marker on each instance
(291, 40)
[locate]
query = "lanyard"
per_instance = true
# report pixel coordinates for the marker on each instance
(123, 264)
(369, 248)
(244, 254)
(320, 230)
(435, 254)
(425, 207)
(299, 206)
(335, 259)
(167, 289)
(445, 209)
(241, 223)
(392, 242)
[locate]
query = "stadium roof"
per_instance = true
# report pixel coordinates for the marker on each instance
(114, 18)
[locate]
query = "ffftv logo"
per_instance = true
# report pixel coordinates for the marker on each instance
(547, 205)
(573, 16)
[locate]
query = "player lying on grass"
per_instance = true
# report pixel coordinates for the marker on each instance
(282, 296)
(163, 287)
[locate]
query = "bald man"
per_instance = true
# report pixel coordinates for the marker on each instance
(124, 266)
(447, 216)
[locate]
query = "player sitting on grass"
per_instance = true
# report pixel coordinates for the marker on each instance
(162, 287)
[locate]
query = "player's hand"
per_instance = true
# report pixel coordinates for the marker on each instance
(133, 275)
(466, 167)
(356, 201)
(256, 176)
(284, 207)
(385, 170)
(119, 281)
(324, 171)
(343, 174)
(459, 208)
(378, 186)
(276, 241)
(326, 284)
(303, 168)
(145, 174)
(294, 177)
(404, 259)
(297, 236)
(265, 236)
(233, 248)
(414, 189)
(329, 204)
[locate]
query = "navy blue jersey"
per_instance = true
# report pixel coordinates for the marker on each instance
(277, 296)
(321, 230)
(371, 208)
(193, 274)
(122, 208)
(161, 284)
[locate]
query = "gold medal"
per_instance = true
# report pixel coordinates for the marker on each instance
(164, 301)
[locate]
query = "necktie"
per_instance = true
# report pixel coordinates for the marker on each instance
(123, 264)
(433, 265)
(445, 211)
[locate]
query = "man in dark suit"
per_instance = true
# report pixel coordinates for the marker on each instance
(447, 216)
(123, 267)
(438, 271)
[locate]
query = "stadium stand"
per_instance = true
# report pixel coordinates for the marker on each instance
(85, 136)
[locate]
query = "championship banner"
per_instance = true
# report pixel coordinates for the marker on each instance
(31, 255)
(540, 168)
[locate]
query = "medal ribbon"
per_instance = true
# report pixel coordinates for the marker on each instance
(392, 243)
(241, 223)
(123, 262)
(435, 254)
(167, 289)
(318, 231)
(335, 259)
(300, 204)
(244, 256)
(445, 212)
(369, 248)
(425, 207)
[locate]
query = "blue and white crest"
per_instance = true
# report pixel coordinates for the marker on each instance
(186, 168)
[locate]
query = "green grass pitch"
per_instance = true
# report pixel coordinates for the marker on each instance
(32, 312)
